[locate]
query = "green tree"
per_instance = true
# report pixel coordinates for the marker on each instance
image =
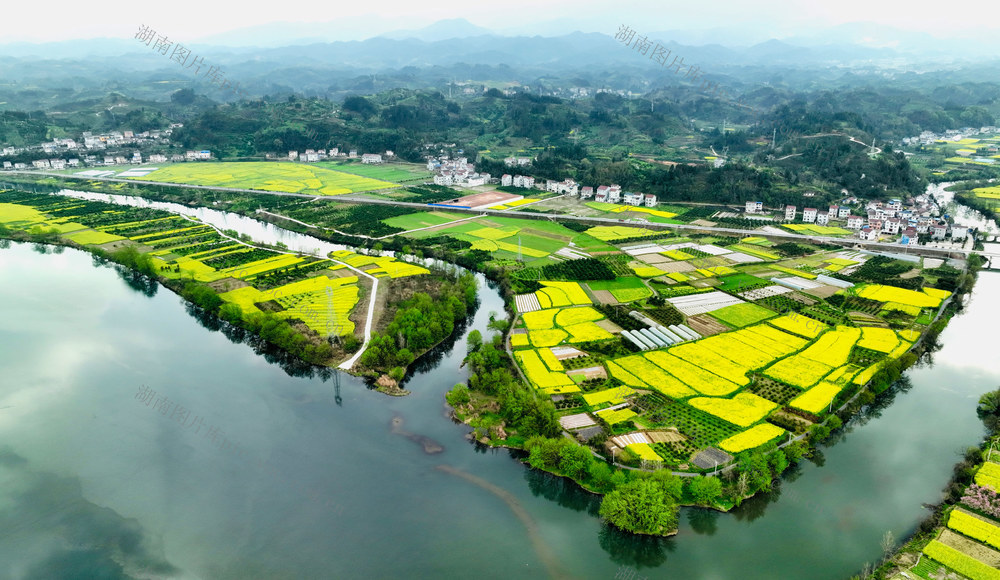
(475, 340)
(641, 506)
(574, 460)
(705, 490)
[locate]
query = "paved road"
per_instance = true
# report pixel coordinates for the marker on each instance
(356, 198)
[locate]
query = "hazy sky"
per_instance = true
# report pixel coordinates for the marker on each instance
(193, 20)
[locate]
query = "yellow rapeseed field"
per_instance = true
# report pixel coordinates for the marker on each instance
(751, 438)
(655, 377)
(816, 399)
(744, 409)
(695, 377)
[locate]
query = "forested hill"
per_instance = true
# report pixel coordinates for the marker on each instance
(593, 140)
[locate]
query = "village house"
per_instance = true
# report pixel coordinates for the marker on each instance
(525, 181)
(371, 158)
(651, 200)
(614, 194)
(634, 198)
(892, 226)
(506, 180)
(790, 211)
(823, 218)
(868, 233)
(855, 222)
(959, 232)
(809, 215)
(587, 192)
(939, 230)
(754, 206)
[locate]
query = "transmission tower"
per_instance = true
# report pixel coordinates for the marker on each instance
(331, 314)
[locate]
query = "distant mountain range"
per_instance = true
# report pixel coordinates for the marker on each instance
(848, 42)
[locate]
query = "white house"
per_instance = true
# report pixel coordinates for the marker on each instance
(834, 211)
(614, 194)
(442, 179)
(823, 218)
(293, 155)
(475, 180)
(892, 226)
(587, 192)
(634, 198)
(959, 232)
(939, 230)
(843, 211)
(790, 211)
(868, 233)
(855, 222)
(809, 215)
(524, 181)
(353, 153)
(506, 180)
(651, 200)
(371, 158)
(755, 206)
(7, 165)
(602, 194)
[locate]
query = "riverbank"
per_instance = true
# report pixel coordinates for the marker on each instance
(264, 288)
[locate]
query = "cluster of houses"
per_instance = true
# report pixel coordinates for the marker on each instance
(954, 135)
(457, 172)
(110, 140)
(525, 181)
(614, 194)
(99, 142)
(94, 160)
(891, 218)
(313, 155)
(517, 161)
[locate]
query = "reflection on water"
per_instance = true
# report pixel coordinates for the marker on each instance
(75, 344)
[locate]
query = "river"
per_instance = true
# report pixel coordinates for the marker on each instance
(269, 476)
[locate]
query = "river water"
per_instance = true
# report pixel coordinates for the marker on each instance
(270, 476)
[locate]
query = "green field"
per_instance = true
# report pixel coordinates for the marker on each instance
(392, 172)
(740, 315)
(267, 176)
(505, 237)
(423, 219)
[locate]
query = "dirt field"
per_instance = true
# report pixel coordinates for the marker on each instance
(667, 436)
(604, 296)
(970, 547)
(589, 373)
(676, 267)
(609, 326)
(705, 325)
(487, 198)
